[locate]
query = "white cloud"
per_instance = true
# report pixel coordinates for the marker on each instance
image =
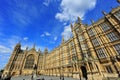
(30, 45)
(47, 33)
(13, 40)
(25, 38)
(55, 38)
(67, 32)
(70, 9)
(42, 35)
(4, 49)
(46, 2)
(20, 19)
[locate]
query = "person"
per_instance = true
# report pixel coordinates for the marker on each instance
(43, 79)
(8, 78)
(119, 74)
(60, 77)
(63, 78)
(32, 77)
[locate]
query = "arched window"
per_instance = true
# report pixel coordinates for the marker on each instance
(29, 64)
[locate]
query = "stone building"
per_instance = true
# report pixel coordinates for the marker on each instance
(93, 51)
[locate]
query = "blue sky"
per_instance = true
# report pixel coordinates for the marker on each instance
(43, 22)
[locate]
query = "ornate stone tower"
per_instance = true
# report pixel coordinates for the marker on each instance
(10, 66)
(44, 59)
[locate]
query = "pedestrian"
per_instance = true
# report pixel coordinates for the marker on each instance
(63, 78)
(32, 77)
(60, 77)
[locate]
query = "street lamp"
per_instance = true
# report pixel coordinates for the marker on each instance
(35, 71)
(35, 68)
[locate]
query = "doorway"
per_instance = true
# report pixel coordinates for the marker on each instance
(84, 72)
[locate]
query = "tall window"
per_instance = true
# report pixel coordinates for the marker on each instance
(96, 42)
(109, 69)
(105, 26)
(73, 51)
(117, 15)
(29, 64)
(84, 46)
(101, 53)
(74, 58)
(71, 43)
(112, 36)
(117, 47)
(91, 32)
(81, 38)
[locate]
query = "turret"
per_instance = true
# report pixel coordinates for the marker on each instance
(63, 40)
(17, 47)
(34, 46)
(104, 13)
(79, 20)
(39, 51)
(26, 48)
(46, 51)
(71, 26)
(92, 21)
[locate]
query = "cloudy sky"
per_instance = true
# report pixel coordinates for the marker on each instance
(43, 22)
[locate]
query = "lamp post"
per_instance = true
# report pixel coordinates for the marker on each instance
(35, 68)
(35, 71)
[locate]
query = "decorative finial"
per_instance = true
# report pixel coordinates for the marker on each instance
(27, 48)
(39, 50)
(63, 40)
(104, 13)
(92, 21)
(45, 51)
(34, 45)
(79, 20)
(71, 25)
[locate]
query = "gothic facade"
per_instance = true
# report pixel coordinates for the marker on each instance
(93, 51)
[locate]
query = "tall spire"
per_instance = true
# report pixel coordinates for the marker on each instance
(18, 46)
(63, 40)
(71, 25)
(34, 45)
(19, 43)
(45, 51)
(27, 48)
(79, 20)
(104, 13)
(39, 50)
(92, 21)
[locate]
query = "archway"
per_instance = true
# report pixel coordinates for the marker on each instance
(29, 64)
(84, 72)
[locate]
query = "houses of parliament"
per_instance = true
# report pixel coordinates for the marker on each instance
(93, 52)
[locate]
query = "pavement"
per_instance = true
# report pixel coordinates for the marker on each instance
(29, 77)
(42, 77)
